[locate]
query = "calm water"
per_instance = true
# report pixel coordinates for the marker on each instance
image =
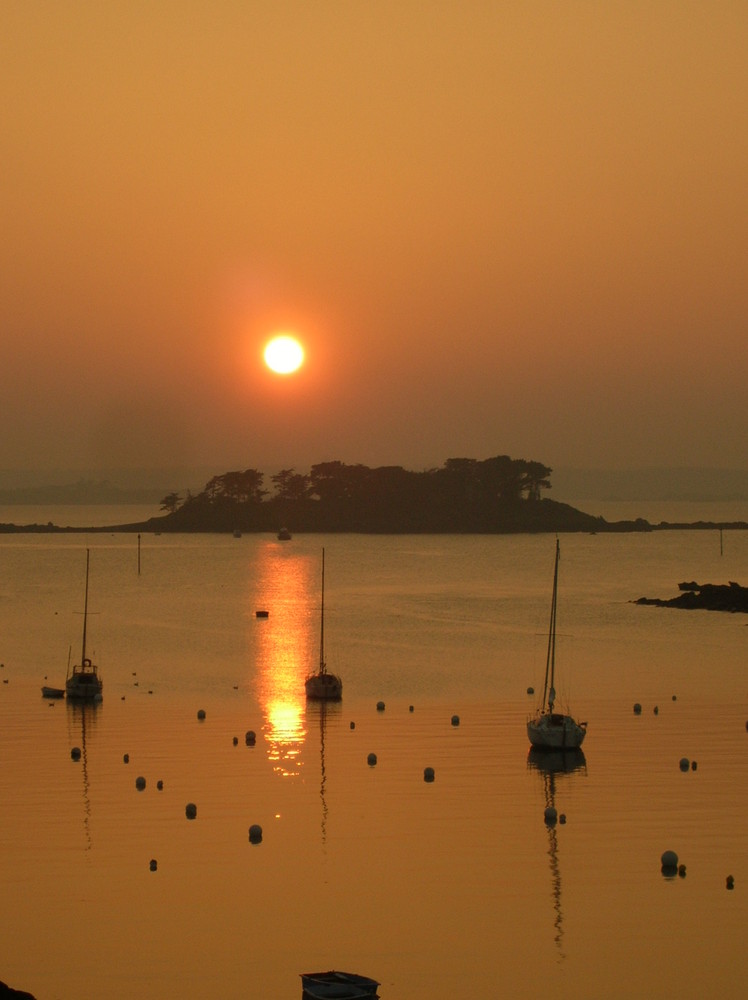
(450, 889)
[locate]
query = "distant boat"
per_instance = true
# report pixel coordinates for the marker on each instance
(323, 685)
(51, 692)
(237, 533)
(84, 682)
(548, 729)
(284, 535)
(338, 984)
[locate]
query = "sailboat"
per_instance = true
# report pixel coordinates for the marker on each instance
(323, 685)
(548, 729)
(84, 682)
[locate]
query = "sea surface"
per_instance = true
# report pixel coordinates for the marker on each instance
(454, 888)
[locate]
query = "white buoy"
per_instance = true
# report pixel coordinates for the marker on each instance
(684, 764)
(255, 833)
(140, 783)
(455, 720)
(371, 759)
(428, 774)
(550, 815)
(190, 810)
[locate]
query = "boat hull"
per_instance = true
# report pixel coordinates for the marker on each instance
(336, 983)
(324, 687)
(554, 731)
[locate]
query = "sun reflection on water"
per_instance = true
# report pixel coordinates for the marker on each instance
(286, 648)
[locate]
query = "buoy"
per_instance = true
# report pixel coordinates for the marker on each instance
(531, 690)
(75, 753)
(694, 765)
(140, 783)
(353, 725)
(250, 737)
(236, 741)
(410, 708)
(550, 815)
(255, 833)
(682, 871)
(126, 758)
(562, 818)
(656, 710)
(190, 810)
(153, 865)
(428, 774)
(684, 763)
(201, 714)
(371, 759)
(380, 706)
(637, 709)
(669, 862)
(455, 720)
(160, 785)
(730, 882)
(675, 697)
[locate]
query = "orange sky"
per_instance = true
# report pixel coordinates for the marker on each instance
(513, 227)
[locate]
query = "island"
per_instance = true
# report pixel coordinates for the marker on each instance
(498, 495)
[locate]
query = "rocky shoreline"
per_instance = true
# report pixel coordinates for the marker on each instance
(704, 597)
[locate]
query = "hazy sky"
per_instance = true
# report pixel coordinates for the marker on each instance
(498, 227)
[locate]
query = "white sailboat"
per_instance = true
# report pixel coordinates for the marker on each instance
(548, 729)
(84, 683)
(322, 684)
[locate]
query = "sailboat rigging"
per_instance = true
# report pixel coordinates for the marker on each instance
(322, 684)
(549, 729)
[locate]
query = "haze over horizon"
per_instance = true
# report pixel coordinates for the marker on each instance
(496, 228)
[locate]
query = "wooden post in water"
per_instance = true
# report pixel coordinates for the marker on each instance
(138, 553)
(720, 541)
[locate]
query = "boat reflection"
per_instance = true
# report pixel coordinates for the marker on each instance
(553, 764)
(82, 717)
(285, 649)
(321, 710)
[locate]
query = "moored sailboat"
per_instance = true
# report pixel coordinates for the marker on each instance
(549, 729)
(322, 684)
(84, 683)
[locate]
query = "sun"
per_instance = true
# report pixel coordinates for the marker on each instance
(283, 354)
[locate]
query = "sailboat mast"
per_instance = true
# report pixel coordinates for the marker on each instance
(549, 693)
(322, 621)
(85, 612)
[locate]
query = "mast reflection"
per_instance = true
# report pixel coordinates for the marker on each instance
(552, 764)
(322, 709)
(82, 719)
(285, 649)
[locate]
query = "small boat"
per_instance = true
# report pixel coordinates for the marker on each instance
(363, 986)
(84, 683)
(284, 535)
(323, 685)
(548, 729)
(50, 692)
